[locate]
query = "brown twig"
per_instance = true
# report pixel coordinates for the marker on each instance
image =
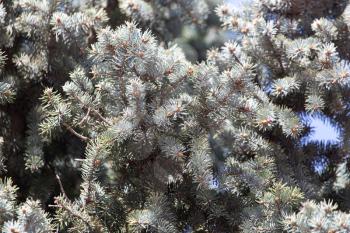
(94, 111)
(85, 117)
(70, 129)
(61, 186)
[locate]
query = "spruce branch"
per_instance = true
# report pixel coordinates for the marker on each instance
(71, 130)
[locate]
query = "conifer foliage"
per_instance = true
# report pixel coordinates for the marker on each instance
(108, 128)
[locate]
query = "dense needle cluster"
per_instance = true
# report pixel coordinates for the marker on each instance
(108, 128)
